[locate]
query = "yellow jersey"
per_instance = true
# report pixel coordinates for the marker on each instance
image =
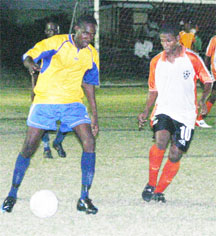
(187, 39)
(63, 69)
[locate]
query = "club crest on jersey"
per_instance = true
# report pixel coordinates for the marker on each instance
(186, 74)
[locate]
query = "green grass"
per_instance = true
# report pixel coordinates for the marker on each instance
(121, 173)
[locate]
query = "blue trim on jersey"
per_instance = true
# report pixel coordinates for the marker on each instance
(70, 39)
(92, 76)
(47, 57)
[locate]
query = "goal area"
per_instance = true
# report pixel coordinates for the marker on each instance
(123, 23)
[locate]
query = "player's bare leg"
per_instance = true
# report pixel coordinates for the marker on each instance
(30, 145)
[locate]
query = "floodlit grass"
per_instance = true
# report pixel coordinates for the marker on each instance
(121, 173)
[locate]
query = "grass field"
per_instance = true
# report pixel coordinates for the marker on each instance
(121, 174)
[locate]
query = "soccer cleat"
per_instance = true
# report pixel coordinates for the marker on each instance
(47, 154)
(159, 197)
(58, 147)
(148, 193)
(202, 124)
(87, 206)
(8, 204)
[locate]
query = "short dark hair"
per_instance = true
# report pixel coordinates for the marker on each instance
(169, 28)
(86, 19)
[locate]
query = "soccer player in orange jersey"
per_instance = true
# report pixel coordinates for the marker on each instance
(172, 88)
(210, 59)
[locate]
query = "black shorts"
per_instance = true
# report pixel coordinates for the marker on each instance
(181, 134)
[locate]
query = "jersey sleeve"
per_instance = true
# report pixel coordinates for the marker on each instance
(92, 75)
(43, 49)
(151, 79)
(200, 68)
(211, 47)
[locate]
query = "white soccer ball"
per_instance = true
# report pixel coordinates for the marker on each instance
(44, 203)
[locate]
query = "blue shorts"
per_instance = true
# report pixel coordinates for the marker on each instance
(45, 116)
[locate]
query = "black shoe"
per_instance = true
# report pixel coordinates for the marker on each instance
(87, 206)
(148, 193)
(159, 197)
(8, 204)
(47, 154)
(58, 147)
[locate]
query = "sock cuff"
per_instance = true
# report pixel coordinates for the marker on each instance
(89, 154)
(23, 161)
(155, 151)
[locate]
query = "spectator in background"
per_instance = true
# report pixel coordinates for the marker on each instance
(51, 29)
(142, 49)
(187, 38)
(197, 46)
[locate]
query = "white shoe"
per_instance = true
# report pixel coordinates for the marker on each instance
(202, 124)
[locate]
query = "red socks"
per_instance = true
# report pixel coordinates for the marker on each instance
(169, 171)
(155, 159)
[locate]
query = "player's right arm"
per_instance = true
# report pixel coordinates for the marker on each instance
(152, 94)
(31, 65)
(142, 117)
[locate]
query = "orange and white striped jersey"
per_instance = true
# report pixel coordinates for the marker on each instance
(176, 85)
(211, 52)
(187, 39)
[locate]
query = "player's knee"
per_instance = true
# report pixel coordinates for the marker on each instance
(89, 144)
(161, 145)
(175, 155)
(29, 148)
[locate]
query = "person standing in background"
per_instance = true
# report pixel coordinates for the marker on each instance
(51, 29)
(187, 38)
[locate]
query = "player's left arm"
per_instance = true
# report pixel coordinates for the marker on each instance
(205, 77)
(202, 102)
(90, 94)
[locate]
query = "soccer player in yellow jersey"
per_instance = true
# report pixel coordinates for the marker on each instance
(69, 62)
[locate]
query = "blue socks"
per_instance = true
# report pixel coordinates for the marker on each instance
(88, 170)
(19, 172)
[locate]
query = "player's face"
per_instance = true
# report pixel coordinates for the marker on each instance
(84, 35)
(51, 29)
(169, 42)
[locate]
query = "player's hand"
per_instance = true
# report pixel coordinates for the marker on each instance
(95, 127)
(142, 119)
(34, 68)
